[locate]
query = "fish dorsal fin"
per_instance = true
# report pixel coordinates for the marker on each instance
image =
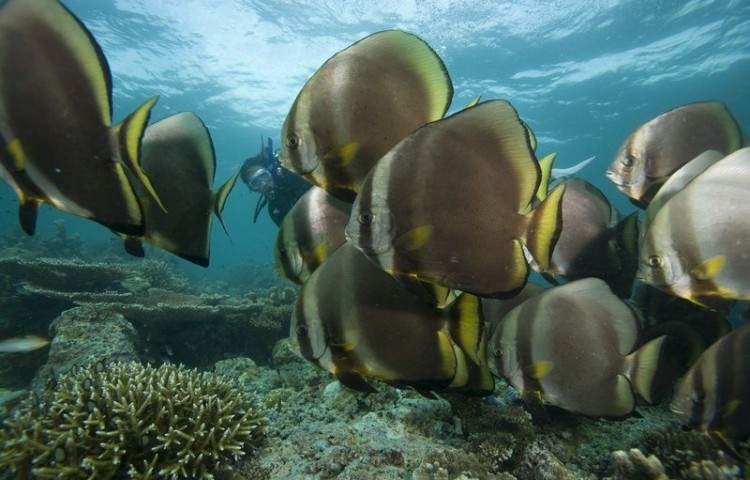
(474, 101)
(709, 268)
(220, 199)
(414, 239)
(530, 137)
(545, 163)
(129, 136)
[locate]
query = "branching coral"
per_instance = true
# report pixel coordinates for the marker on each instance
(127, 420)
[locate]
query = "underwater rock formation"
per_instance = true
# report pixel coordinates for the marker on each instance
(124, 420)
(83, 335)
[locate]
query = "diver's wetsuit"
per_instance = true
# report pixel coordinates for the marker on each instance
(284, 188)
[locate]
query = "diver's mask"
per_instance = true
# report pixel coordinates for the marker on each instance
(261, 181)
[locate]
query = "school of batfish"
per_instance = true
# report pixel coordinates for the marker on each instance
(416, 243)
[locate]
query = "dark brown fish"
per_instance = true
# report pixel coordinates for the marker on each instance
(353, 320)
(715, 393)
(178, 156)
(572, 346)
(454, 204)
(58, 146)
(358, 105)
(310, 232)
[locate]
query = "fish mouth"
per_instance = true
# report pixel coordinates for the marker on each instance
(615, 178)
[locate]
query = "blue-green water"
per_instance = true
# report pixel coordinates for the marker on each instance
(582, 74)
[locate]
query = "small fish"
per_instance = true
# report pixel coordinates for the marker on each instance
(57, 143)
(454, 204)
(695, 245)
(572, 346)
(714, 394)
(656, 149)
(178, 156)
(22, 344)
(309, 233)
(355, 321)
(359, 104)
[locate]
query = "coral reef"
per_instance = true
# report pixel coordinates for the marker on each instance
(124, 419)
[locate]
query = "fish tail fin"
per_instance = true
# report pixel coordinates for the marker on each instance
(466, 328)
(220, 199)
(544, 227)
(129, 136)
(545, 164)
(641, 367)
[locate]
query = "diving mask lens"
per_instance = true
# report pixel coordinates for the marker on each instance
(261, 180)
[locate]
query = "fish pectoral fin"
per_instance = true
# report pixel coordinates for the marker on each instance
(539, 370)
(14, 150)
(342, 155)
(709, 269)
(320, 252)
(414, 239)
(343, 347)
(473, 102)
(729, 408)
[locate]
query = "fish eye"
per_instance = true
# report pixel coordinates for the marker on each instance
(301, 329)
(628, 161)
(292, 141)
(654, 261)
(365, 217)
(498, 352)
(699, 397)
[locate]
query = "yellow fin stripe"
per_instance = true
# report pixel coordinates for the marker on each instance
(415, 238)
(544, 227)
(17, 155)
(709, 269)
(130, 133)
(470, 326)
(539, 370)
(545, 163)
(220, 198)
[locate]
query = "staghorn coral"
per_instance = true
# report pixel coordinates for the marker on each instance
(126, 420)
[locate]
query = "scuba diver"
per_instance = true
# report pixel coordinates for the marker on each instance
(279, 188)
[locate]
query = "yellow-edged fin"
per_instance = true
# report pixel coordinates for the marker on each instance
(16, 154)
(461, 377)
(467, 326)
(473, 102)
(429, 67)
(539, 370)
(544, 227)
(545, 164)
(709, 269)
(342, 155)
(530, 135)
(642, 365)
(624, 401)
(220, 198)
(129, 135)
(448, 359)
(414, 239)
